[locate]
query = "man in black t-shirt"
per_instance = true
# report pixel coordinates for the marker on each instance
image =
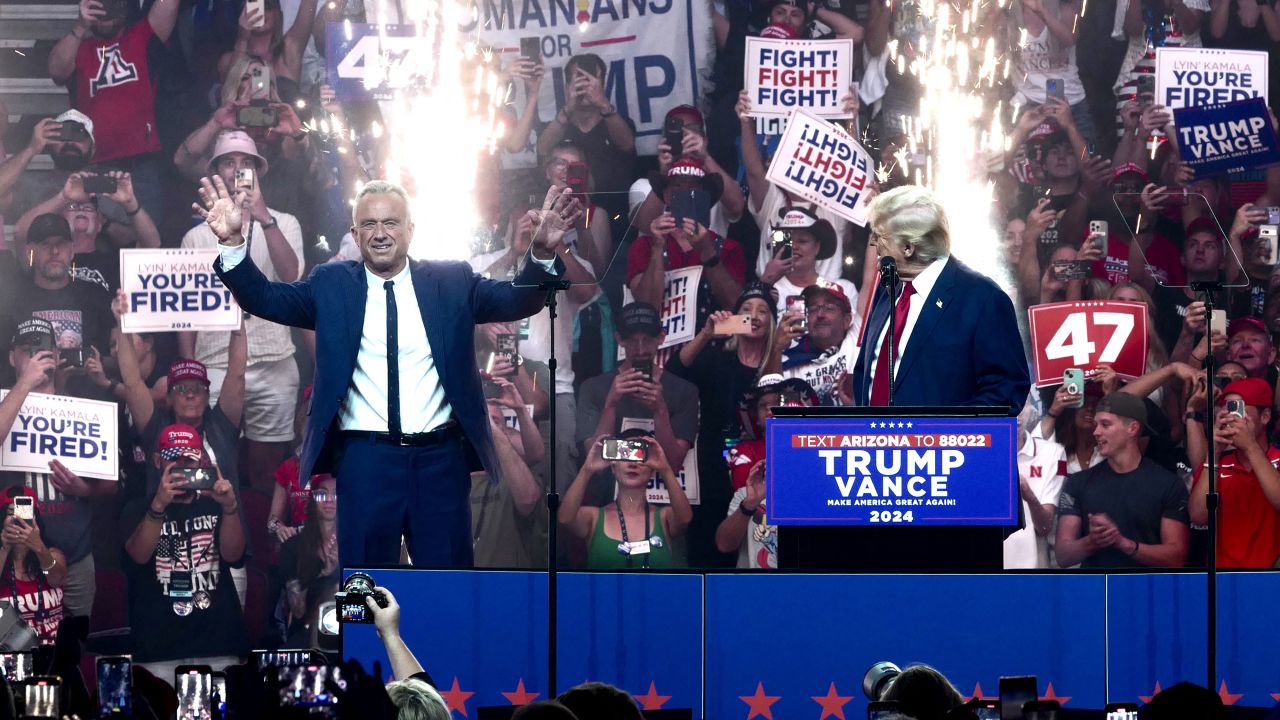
(183, 606)
(1126, 511)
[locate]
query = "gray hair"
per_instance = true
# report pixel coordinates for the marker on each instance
(911, 215)
(416, 700)
(382, 187)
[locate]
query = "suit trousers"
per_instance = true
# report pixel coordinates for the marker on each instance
(386, 491)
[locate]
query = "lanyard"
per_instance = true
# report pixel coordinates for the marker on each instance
(622, 523)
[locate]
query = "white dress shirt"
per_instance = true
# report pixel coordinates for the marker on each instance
(423, 406)
(922, 285)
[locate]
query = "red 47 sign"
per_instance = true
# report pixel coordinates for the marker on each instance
(1088, 334)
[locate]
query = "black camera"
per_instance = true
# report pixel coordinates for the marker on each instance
(877, 679)
(351, 599)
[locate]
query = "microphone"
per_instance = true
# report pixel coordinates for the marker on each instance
(888, 273)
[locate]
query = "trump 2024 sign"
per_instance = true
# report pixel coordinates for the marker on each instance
(892, 471)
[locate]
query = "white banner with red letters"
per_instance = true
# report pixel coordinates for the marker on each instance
(785, 75)
(823, 164)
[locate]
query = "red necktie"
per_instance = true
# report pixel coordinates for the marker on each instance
(880, 385)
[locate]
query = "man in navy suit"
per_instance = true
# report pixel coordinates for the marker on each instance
(957, 333)
(397, 413)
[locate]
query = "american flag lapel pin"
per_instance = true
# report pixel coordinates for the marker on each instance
(939, 301)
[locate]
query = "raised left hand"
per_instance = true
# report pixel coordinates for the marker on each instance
(68, 482)
(223, 210)
(560, 212)
(223, 493)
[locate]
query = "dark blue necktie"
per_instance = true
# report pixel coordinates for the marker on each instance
(393, 362)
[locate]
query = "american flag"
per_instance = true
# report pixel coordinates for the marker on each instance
(64, 321)
(202, 554)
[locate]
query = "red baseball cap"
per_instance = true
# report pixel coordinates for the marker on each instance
(830, 288)
(8, 494)
(179, 440)
(778, 31)
(181, 370)
(1247, 322)
(1254, 391)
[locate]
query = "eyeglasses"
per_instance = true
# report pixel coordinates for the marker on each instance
(190, 388)
(1127, 188)
(825, 307)
(81, 207)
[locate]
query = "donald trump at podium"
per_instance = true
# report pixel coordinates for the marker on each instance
(956, 330)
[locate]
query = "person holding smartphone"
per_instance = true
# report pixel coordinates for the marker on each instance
(1248, 481)
(628, 533)
(183, 606)
(31, 573)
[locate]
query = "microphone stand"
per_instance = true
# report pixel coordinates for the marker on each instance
(552, 287)
(1206, 291)
(889, 279)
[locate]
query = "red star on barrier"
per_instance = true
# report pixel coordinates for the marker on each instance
(1228, 697)
(977, 694)
(652, 700)
(760, 704)
(1049, 695)
(456, 698)
(832, 703)
(1275, 696)
(520, 696)
(1147, 698)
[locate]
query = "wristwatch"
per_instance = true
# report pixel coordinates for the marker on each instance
(712, 261)
(270, 225)
(749, 512)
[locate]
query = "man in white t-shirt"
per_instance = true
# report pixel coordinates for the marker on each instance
(1042, 466)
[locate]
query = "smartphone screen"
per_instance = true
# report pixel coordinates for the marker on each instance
(115, 686)
(218, 694)
(24, 507)
(692, 204)
(41, 695)
(1121, 711)
(1014, 691)
(282, 658)
(17, 665)
(194, 684)
(1055, 88)
(310, 685)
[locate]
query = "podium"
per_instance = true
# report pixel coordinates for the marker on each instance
(892, 490)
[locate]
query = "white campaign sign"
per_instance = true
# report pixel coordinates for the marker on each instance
(785, 75)
(823, 164)
(679, 306)
(175, 290)
(1193, 77)
(81, 434)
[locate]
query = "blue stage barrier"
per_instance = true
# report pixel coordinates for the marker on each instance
(783, 641)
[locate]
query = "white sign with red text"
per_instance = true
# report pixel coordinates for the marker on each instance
(823, 164)
(785, 75)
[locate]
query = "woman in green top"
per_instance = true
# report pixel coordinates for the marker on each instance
(626, 533)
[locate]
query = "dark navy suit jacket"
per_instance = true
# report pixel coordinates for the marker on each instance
(964, 348)
(331, 301)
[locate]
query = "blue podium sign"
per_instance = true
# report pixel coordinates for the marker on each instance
(892, 471)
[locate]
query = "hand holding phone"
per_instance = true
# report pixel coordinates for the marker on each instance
(625, 450)
(733, 325)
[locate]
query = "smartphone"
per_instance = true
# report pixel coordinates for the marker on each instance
(792, 398)
(1055, 88)
(1121, 711)
(257, 115)
(1218, 321)
(1236, 407)
(310, 686)
(218, 694)
(1100, 227)
(575, 176)
(780, 239)
(259, 7)
(692, 204)
(1041, 710)
(1267, 244)
(194, 684)
(505, 345)
(883, 709)
(629, 450)
(201, 478)
(1073, 380)
(1273, 216)
(1146, 93)
(100, 184)
(115, 686)
(1067, 270)
(531, 49)
(24, 507)
(72, 131)
(71, 357)
(41, 696)
(492, 390)
(673, 133)
(644, 366)
(1014, 692)
(244, 179)
(796, 302)
(984, 709)
(17, 666)
(281, 658)
(733, 325)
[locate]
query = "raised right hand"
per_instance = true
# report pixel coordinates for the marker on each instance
(222, 211)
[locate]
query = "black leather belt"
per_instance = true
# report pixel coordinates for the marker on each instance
(434, 437)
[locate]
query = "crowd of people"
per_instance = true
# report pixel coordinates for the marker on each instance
(659, 451)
